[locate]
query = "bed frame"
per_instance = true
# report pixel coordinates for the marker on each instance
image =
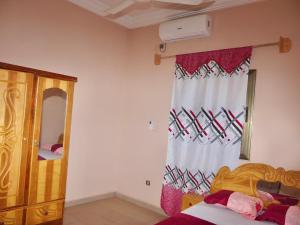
(245, 177)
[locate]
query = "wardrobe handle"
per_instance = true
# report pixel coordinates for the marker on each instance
(46, 213)
(36, 144)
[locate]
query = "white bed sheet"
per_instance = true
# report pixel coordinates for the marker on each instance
(48, 155)
(220, 216)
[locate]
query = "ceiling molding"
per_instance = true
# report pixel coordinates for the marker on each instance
(219, 5)
(146, 19)
(153, 15)
(94, 6)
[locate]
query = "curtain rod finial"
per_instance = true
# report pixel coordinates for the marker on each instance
(157, 59)
(285, 44)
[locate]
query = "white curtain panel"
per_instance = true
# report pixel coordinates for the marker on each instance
(206, 121)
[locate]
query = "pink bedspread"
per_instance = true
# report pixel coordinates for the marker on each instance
(183, 219)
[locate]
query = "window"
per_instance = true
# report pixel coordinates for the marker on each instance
(246, 139)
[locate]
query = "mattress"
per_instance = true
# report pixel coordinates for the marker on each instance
(220, 216)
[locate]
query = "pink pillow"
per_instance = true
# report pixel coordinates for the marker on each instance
(47, 147)
(265, 196)
(281, 214)
(59, 151)
(55, 146)
(246, 205)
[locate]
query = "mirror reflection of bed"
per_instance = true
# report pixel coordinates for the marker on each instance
(53, 123)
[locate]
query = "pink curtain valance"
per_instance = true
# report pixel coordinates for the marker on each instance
(228, 59)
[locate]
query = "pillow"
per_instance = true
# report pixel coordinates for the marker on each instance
(59, 151)
(281, 214)
(267, 186)
(246, 205)
(55, 147)
(46, 147)
(267, 198)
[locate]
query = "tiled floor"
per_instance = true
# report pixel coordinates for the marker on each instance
(111, 211)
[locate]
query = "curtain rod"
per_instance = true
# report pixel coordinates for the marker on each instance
(284, 44)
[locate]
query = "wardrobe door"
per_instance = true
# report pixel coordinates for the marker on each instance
(51, 136)
(15, 108)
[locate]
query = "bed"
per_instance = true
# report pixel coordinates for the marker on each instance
(50, 152)
(48, 155)
(218, 215)
(243, 179)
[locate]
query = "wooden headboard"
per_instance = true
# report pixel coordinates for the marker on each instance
(245, 177)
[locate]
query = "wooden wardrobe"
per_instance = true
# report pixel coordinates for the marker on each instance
(35, 121)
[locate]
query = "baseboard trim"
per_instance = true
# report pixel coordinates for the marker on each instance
(117, 195)
(89, 199)
(140, 203)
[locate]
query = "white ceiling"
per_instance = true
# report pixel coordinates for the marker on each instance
(149, 16)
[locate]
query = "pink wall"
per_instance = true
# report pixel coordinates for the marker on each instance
(120, 90)
(58, 36)
(147, 90)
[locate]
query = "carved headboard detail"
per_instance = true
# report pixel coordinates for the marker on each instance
(245, 177)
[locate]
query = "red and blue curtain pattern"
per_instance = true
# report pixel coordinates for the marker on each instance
(206, 121)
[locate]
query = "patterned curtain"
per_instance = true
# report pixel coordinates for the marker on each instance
(206, 121)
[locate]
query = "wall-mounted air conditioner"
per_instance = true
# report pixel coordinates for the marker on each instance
(185, 28)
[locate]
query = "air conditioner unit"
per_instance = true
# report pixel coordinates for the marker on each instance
(185, 28)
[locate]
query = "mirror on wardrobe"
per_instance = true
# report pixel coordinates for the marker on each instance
(52, 124)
